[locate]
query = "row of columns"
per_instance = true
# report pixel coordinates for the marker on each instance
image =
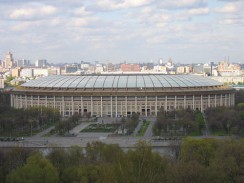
(230, 97)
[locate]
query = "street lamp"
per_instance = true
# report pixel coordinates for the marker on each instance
(228, 128)
(31, 121)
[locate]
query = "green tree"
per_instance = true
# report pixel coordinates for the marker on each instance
(199, 150)
(37, 170)
(141, 166)
(229, 161)
(11, 160)
(185, 172)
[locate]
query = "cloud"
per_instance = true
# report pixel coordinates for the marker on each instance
(199, 11)
(23, 26)
(110, 5)
(176, 4)
(232, 21)
(228, 8)
(81, 11)
(229, 0)
(231, 13)
(109, 27)
(30, 11)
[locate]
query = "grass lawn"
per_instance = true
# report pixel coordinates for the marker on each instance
(143, 128)
(219, 133)
(107, 128)
(25, 132)
(195, 133)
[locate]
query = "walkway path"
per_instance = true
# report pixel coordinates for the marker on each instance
(206, 131)
(80, 127)
(42, 133)
(149, 131)
(138, 127)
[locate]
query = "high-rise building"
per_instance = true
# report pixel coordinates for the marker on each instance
(8, 60)
(41, 63)
(22, 63)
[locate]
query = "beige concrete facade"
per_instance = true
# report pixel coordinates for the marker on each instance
(122, 102)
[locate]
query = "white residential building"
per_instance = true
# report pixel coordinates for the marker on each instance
(160, 68)
(26, 72)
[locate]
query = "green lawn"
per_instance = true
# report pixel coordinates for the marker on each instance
(195, 133)
(143, 128)
(219, 133)
(107, 128)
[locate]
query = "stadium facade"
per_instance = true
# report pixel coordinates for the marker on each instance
(122, 95)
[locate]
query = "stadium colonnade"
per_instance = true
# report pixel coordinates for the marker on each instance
(122, 95)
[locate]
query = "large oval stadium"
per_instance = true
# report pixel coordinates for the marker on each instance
(122, 95)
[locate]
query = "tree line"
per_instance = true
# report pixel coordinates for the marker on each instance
(199, 160)
(24, 122)
(179, 122)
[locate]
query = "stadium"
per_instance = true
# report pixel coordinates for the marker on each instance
(122, 95)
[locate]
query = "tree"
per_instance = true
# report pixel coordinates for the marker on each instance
(141, 166)
(99, 152)
(199, 150)
(185, 172)
(229, 161)
(11, 160)
(37, 170)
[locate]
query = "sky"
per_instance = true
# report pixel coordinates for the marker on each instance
(135, 31)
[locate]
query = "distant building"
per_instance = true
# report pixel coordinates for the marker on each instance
(183, 70)
(169, 64)
(84, 65)
(53, 71)
(198, 69)
(99, 68)
(1, 83)
(207, 69)
(161, 61)
(110, 67)
(160, 68)
(180, 70)
(229, 79)
(226, 69)
(26, 72)
(23, 63)
(130, 67)
(40, 72)
(8, 60)
(71, 68)
(41, 63)
(91, 69)
(16, 72)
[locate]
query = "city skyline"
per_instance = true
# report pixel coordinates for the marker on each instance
(135, 31)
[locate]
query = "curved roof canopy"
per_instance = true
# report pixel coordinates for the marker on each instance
(121, 81)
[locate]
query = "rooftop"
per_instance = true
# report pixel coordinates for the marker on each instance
(122, 81)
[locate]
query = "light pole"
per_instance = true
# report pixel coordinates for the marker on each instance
(30, 121)
(228, 128)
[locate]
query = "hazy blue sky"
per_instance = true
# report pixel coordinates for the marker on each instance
(117, 30)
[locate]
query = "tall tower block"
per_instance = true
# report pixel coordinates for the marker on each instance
(9, 60)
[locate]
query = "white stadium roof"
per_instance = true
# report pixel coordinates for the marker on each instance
(122, 81)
